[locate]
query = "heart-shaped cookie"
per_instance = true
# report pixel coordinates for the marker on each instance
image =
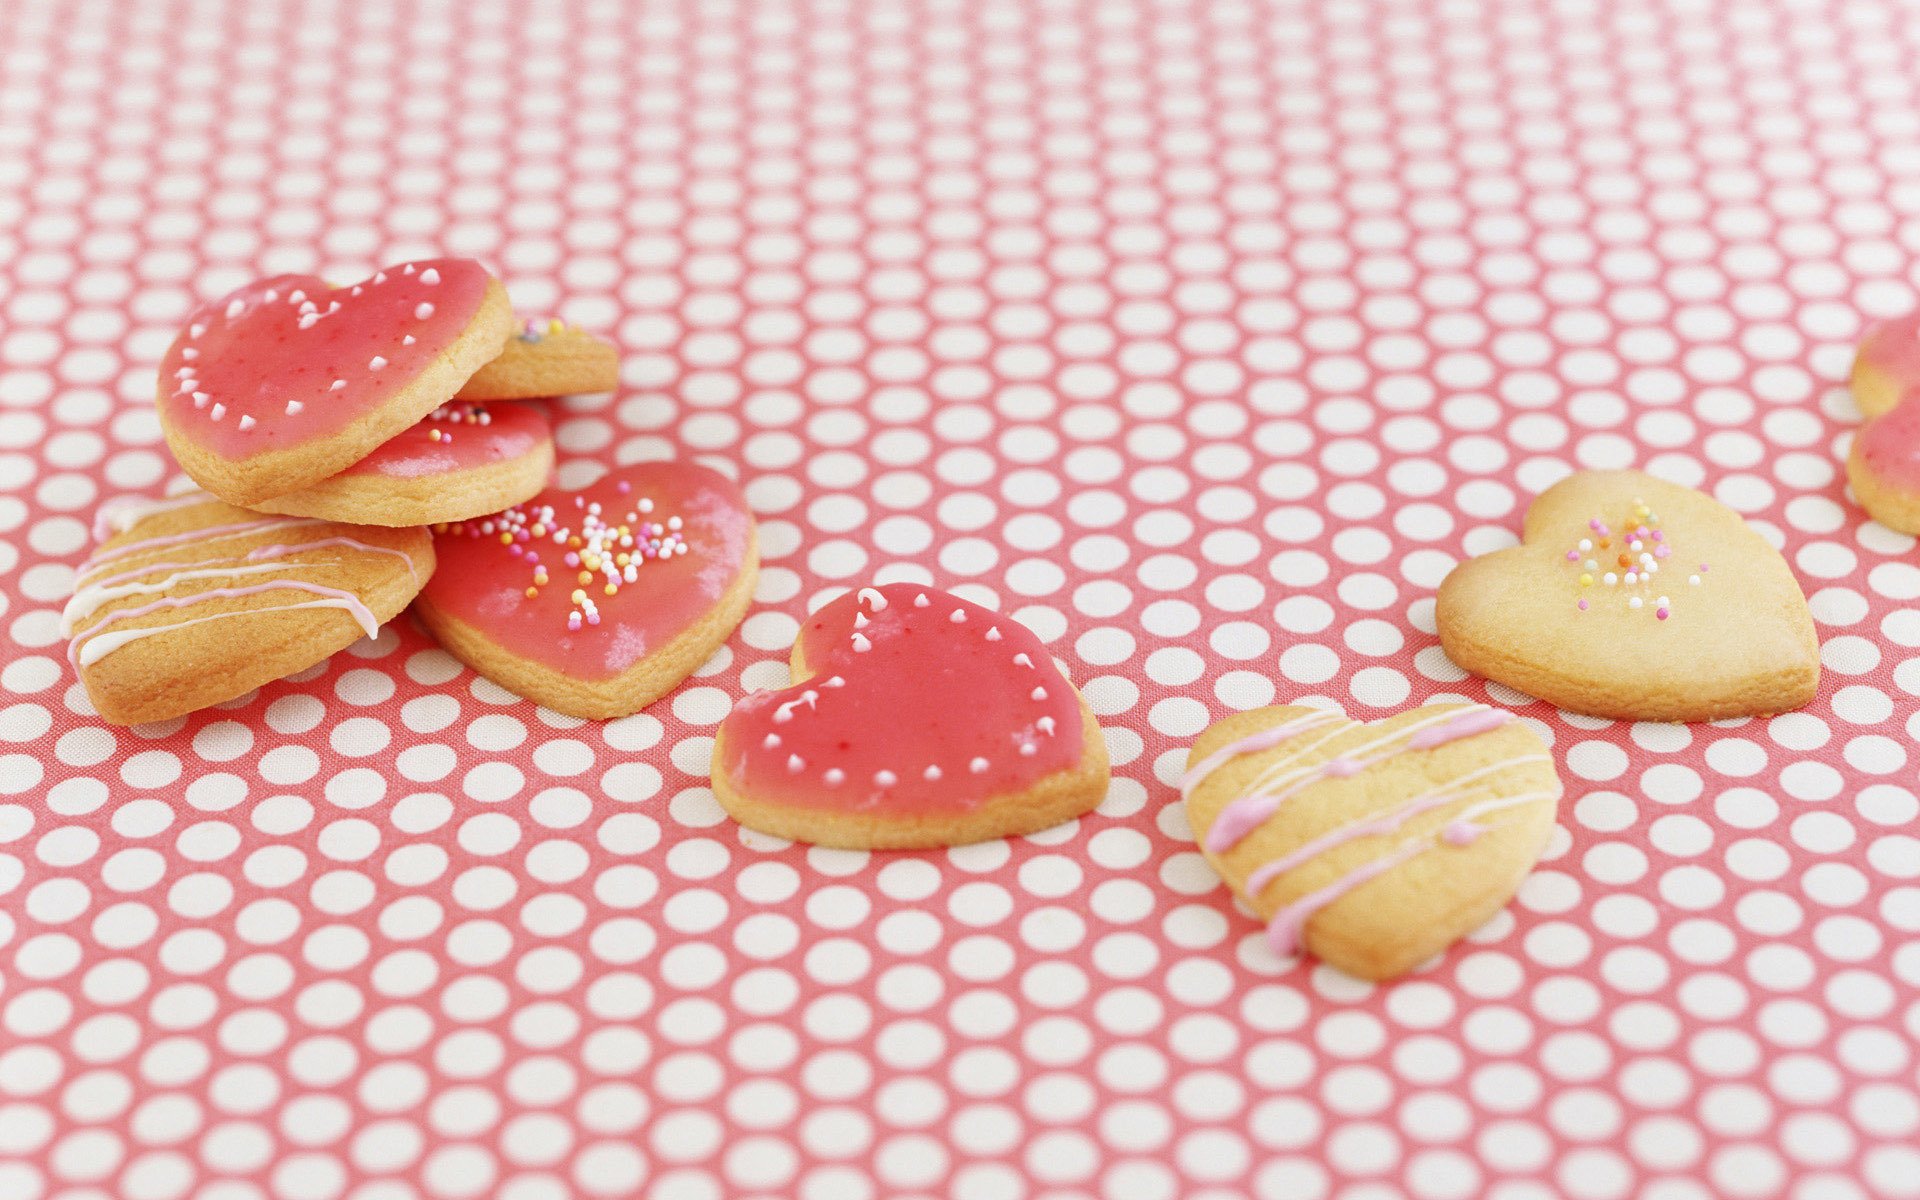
(1372, 847)
(288, 381)
(916, 719)
(464, 460)
(196, 601)
(1637, 599)
(1886, 365)
(1883, 465)
(547, 358)
(597, 602)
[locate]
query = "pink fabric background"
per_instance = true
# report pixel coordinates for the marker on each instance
(1201, 337)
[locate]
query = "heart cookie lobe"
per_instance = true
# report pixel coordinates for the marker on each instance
(916, 719)
(1886, 365)
(1884, 466)
(547, 358)
(287, 381)
(464, 460)
(196, 601)
(597, 602)
(1372, 847)
(1636, 599)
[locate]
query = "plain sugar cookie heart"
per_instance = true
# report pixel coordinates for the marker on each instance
(1372, 847)
(547, 358)
(597, 602)
(1637, 599)
(195, 601)
(287, 381)
(916, 719)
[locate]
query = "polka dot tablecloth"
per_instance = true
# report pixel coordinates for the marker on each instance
(1202, 338)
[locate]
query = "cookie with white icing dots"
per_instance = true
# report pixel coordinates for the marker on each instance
(1636, 599)
(464, 460)
(287, 380)
(916, 719)
(193, 601)
(1371, 847)
(597, 602)
(547, 358)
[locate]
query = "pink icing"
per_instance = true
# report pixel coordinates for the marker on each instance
(1890, 444)
(457, 437)
(208, 533)
(76, 653)
(1894, 347)
(288, 359)
(919, 703)
(484, 582)
(1279, 783)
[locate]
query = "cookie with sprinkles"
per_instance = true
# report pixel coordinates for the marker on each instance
(598, 601)
(915, 719)
(191, 601)
(464, 460)
(288, 381)
(1638, 599)
(547, 358)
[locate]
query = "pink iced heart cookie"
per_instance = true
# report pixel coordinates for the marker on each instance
(599, 601)
(288, 381)
(1884, 465)
(916, 719)
(464, 460)
(1886, 366)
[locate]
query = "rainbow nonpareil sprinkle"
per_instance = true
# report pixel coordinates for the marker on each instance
(1626, 562)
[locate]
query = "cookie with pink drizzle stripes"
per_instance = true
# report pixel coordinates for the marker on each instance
(916, 719)
(1371, 847)
(287, 380)
(598, 601)
(464, 460)
(191, 601)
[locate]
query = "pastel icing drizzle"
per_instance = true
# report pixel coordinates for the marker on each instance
(1293, 771)
(918, 702)
(288, 359)
(590, 582)
(107, 577)
(1890, 444)
(458, 436)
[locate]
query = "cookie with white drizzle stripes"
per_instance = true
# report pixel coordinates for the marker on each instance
(287, 380)
(195, 601)
(465, 460)
(916, 719)
(547, 358)
(1372, 847)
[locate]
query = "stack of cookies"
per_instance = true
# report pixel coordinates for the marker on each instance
(332, 430)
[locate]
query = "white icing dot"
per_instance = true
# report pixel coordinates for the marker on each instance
(886, 778)
(423, 310)
(430, 275)
(959, 616)
(1633, 602)
(1045, 725)
(773, 740)
(294, 406)
(377, 363)
(219, 410)
(872, 596)
(835, 777)
(921, 600)
(196, 329)
(271, 295)
(246, 422)
(993, 633)
(860, 643)
(234, 309)
(189, 353)
(309, 320)
(407, 340)
(1028, 749)
(1021, 660)
(932, 773)
(296, 296)
(1694, 580)
(200, 399)
(978, 766)
(796, 764)
(379, 276)
(407, 270)
(336, 385)
(1039, 693)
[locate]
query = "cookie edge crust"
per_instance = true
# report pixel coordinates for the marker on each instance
(425, 500)
(590, 364)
